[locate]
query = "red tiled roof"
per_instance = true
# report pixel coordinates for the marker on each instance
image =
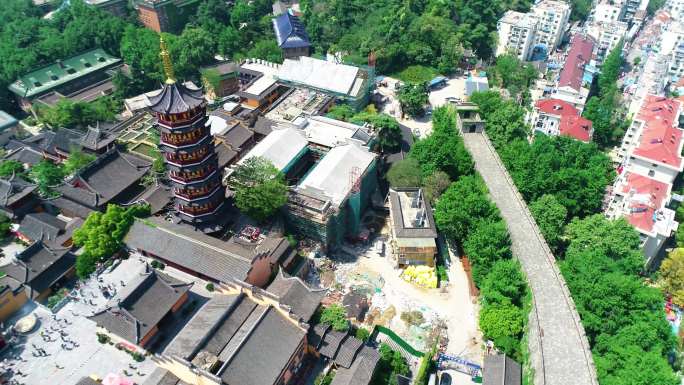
(571, 123)
(660, 140)
(646, 197)
(579, 55)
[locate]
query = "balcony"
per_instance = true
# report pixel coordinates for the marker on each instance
(194, 176)
(202, 192)
(187, 158)
(191, 137)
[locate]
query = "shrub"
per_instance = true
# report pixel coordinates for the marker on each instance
(210, 287)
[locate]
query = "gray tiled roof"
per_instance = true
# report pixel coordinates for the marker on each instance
(87, 381)
(157, 197)
(143, 304)
(95, 138)
(69, 206)
(361, 371)
(25, 155)
(331, 343)
(40, 266)
(42, 227)
(347, 352)
(197, 252)
(237, 136)
(316, 334)
(293, 292)
(271, 344)
(14, 189)
(500, 369)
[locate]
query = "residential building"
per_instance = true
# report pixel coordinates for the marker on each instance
(8, 127)
(112, 178)
(221, 79)
(555, 117)
(115, 7)
(516, 32)
(83, 77)
(242, 335)
(552, 16)
(41, 270)
(675, 8)
(291, 35)
(165, 15)
(499, 369)
(607, 35)
(413, 229)
(188, 149)
(571, 87)
(136, 317)
(252, 261)
(649, 160)
(607, 11)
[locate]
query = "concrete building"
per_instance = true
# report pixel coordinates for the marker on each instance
(555, 117)
(552, 16)
(649, 160)
(607, 35)
(516, 33)
(84, 77)
(571, 87)
(413, 228)
(220, 80)
(675, 8)
(165, 15)
(607, 11)
(500, 369)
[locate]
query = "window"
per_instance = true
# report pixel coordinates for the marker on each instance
(651, 173)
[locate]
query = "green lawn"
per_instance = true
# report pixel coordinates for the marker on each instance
(415, 74)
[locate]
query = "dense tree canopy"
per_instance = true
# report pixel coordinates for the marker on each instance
(405, 173)
(550, 216)
(672, 276)
(260, 189)
(46, 175)
(462, 206)
(413, 98)
(10, 167)
(76, 161)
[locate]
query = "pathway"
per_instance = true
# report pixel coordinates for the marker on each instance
(560, 353)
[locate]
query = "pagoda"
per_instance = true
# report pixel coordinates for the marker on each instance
(188, 149)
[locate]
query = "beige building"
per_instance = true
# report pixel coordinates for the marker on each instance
(552, 20)
(413, 228)
(516, 33)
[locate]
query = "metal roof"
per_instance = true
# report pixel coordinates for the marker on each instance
(290, 32)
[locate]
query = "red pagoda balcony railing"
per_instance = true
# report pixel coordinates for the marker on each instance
(196, 192)
(187, 158)
(180, 119)
(189, 176)
(198, 210)
(185, 138)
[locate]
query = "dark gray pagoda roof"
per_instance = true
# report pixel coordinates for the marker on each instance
(143, 304)
(40, 266)
(293, 292)
(175, 98)
(25, 155)
(331, 343)
(290, 32)
(14, 189)
(348, 350)
(96, 138)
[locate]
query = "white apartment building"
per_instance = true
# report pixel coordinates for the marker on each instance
(675, 8)
(607, 35)
(607, 11)
(516, 32)
(649, 160)
(552, 21)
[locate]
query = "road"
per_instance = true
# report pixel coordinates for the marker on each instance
(559, 350)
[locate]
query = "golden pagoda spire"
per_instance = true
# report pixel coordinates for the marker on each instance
(166, 60)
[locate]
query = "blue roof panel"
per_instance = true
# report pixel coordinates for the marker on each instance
(290, 31)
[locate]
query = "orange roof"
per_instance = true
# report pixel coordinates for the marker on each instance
(571, 123)
(647, 196)
(660, 140)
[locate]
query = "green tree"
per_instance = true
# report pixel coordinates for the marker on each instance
(388, 132)
(413, 98)
(5, 226)
(501, 323)
(390, 365)
(672, 276)
(435, 184)
(363, 334)
(76, 161)
(405, 173)
(46, 175)
(505, 119)
(10, 167)
(550, 216)
(504, 283)
(260, 189)
(335, 316)
(462, 206)
(101, 235)
(267, 50)
(486, 243)
(341, 112)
